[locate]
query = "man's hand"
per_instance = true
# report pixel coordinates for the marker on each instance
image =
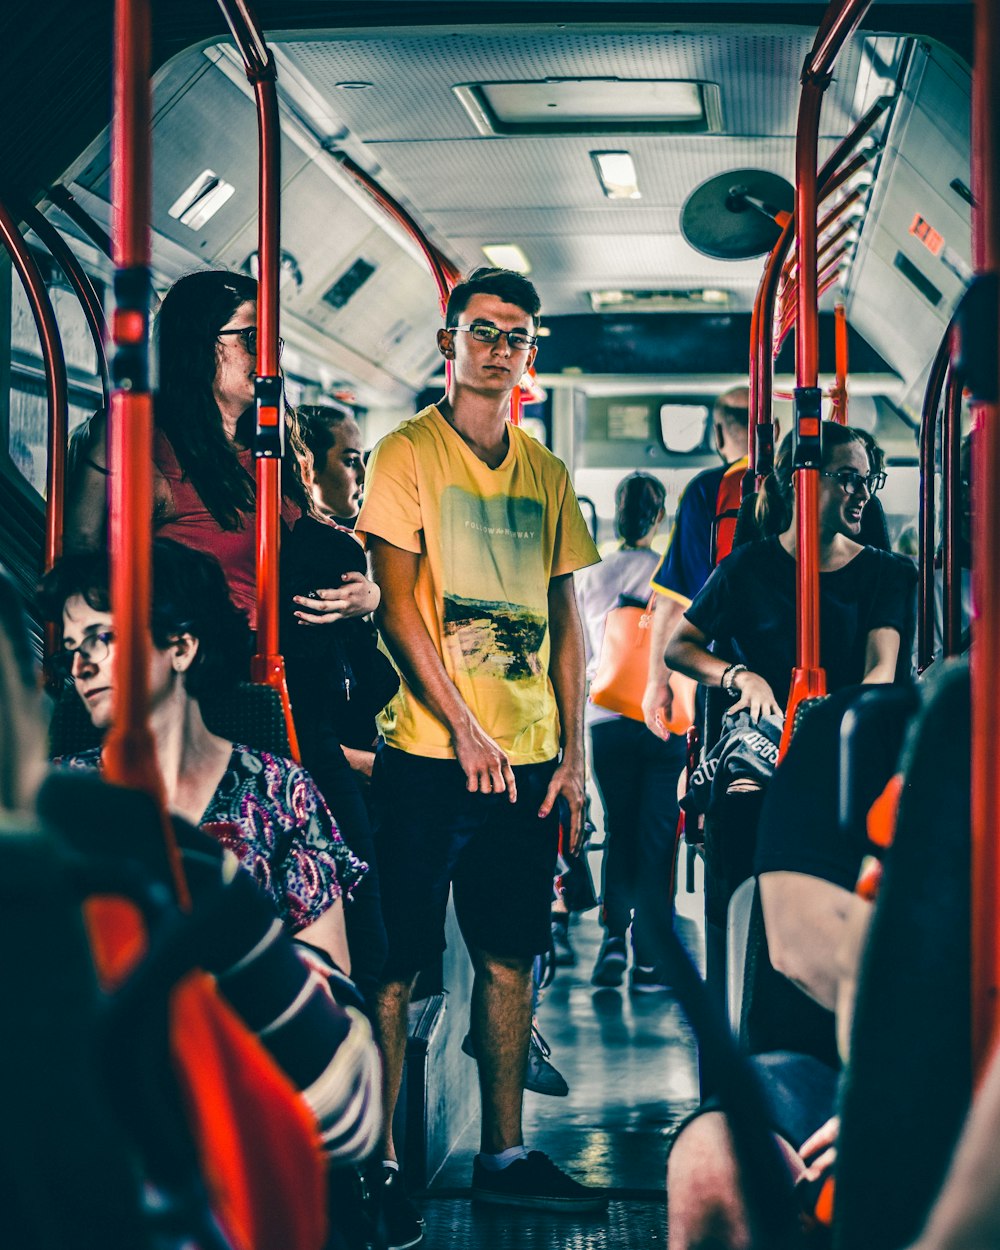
(486, 767)
(356, 596)
(657, 705)
(755, 695)
(819, 1153)
(568, 781)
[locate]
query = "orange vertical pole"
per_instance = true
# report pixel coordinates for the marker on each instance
(986, 539)
(129, 750)
(840, 343)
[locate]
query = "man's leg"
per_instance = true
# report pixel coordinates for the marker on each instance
(392, 1003)
(501, 1028)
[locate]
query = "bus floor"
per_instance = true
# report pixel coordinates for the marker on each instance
(631, 1066)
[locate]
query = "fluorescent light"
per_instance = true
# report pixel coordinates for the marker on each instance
(507, 256)
(201, 200)
(616, 171)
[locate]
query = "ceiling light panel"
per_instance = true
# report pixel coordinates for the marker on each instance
(200, 201)
(554, 106)
(616, 174)
(507, 256)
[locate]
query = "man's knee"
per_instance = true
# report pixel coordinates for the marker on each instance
(501, 969)
(704, 1201)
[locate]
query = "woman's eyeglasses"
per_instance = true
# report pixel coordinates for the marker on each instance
(248, 337)
(93, 650)
(483, 332)
(852, 481)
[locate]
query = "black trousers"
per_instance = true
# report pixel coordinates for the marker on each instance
(636, 775)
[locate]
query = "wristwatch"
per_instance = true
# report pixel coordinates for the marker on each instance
(727, 683)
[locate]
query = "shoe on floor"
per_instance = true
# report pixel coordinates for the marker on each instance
(563, 952)
(646, 980)
(543, 1077)
(534, 1182)
(611, 960)
(402, 1223)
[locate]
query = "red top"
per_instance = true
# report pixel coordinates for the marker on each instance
(193, 525)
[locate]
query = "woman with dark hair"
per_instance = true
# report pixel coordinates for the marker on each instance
(636, 772)
(264, 808)
(203, 460)
(747, 607)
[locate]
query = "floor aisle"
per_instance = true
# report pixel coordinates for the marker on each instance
(630, 1063)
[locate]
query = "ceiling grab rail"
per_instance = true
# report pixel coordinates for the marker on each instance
(129, 753)
(976, 353)
(839, 395)
(56, 389)
(951, 509)
(808, 677)
(83, 288)
(268, 665)
(444, 273)
(832, 177)
(927, 515)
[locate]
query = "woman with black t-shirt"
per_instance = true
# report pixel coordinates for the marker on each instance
(747, 607)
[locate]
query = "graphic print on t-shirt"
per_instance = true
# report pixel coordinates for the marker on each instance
(491, 563)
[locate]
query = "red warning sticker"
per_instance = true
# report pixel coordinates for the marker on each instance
(927, 235)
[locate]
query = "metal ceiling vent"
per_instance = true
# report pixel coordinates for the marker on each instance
(593, 106)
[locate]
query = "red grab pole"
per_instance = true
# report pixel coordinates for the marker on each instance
(840, 343)
(268, 666)
(986, 538)
(808, 677)
(129, 751)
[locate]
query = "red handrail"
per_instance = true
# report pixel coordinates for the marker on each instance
(986, 551)
(839, 397)
(268, 666)
(808, 677)
(54, 363)
(129, 750)
(926, 516)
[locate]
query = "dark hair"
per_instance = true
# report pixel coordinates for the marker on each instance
(733, 407)
(316, 425)
(638, 499)
(512, 288)
(775, 500)
(193, 312)
(190, 596)
(22, 747)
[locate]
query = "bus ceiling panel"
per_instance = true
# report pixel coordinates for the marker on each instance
(756, 70)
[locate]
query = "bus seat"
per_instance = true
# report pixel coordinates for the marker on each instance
(250, 714)
(910, 1080)
(737, 939)
(70, 1178)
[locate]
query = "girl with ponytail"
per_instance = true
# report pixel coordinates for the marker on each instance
(635, 771)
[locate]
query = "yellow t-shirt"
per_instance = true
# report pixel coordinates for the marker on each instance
(490, 541)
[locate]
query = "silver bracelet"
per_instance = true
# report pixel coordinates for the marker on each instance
(727, 679)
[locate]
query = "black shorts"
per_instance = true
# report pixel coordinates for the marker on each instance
(431, 833)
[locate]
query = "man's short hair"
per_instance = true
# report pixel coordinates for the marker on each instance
(512, 288)
(733, 406)
(316, 425)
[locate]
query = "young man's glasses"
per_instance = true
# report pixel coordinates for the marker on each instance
(248, 337)
(93, 650)
(483, 332)
(853, 482)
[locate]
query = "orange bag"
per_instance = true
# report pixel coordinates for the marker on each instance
(620, 680)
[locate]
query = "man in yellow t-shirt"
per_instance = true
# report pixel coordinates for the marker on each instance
(475, 533)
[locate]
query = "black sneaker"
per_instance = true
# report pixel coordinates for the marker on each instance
(563, 952)
(645, 980)
(402, 1223)
(534, 1182)
(611, 960)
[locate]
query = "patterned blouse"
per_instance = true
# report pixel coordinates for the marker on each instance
(268, 811)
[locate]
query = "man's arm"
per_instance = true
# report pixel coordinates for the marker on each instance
(566, 668)
(657, 701)
(485, 765)
(881, 654)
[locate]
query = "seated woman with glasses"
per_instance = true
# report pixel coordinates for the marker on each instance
(747, 607)
(264, 808)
